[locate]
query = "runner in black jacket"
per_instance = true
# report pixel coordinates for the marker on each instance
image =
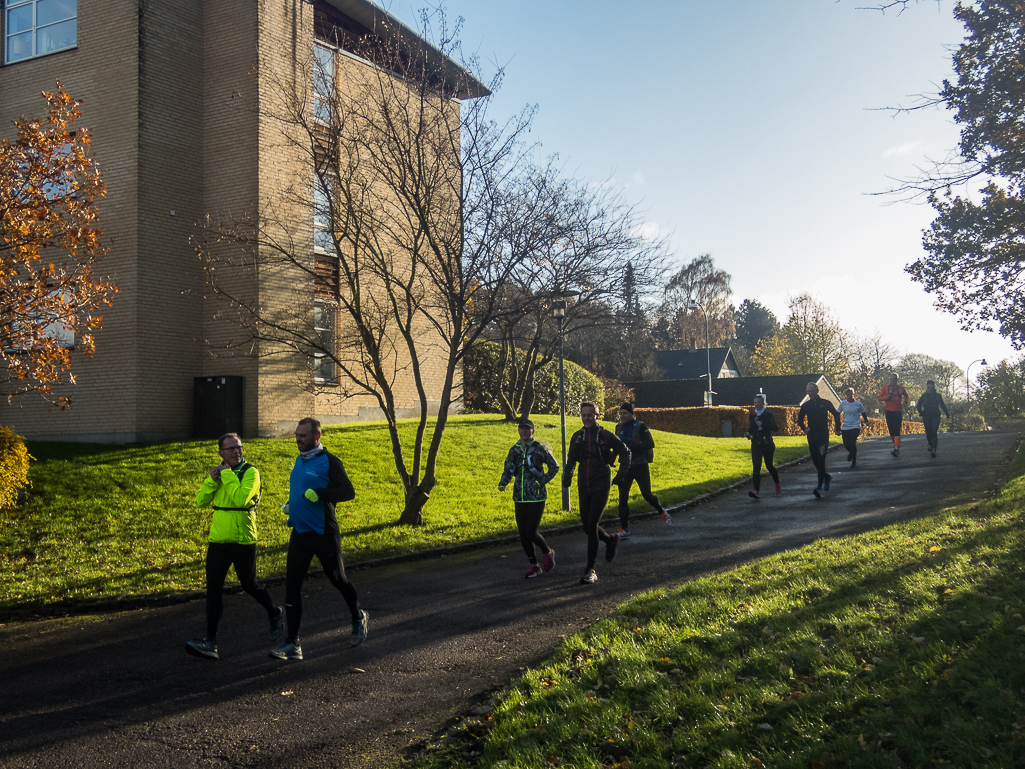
(760, 429)
(929, 406)
(595, 449)
(816, 411)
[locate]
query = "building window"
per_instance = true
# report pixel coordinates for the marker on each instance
(38, 27)
(323, 241)
(324, 319)
(324, 74)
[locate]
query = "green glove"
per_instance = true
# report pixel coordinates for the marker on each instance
(311, 495)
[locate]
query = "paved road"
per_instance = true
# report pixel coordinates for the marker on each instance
(118, 690)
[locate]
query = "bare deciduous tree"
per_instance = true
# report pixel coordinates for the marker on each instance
(574, 237)
(702, 282)
(385, 244)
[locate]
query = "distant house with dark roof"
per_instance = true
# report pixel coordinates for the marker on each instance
(735, 391)
(693, 364)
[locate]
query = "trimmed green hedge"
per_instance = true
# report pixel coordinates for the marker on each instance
(708, 422)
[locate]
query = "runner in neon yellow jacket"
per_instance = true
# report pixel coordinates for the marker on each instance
(232, 489)
(233, 496)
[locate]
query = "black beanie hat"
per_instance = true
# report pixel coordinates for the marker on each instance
(627, 407)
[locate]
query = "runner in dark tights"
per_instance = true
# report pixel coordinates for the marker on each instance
(595, 449)
(896, 398)
(816, 412)
(852, 412)
(530, 465)
(317, 483)
(762, 426)
(637, 437)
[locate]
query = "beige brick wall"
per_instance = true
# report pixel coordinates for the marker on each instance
(103, 71)
(173, 90)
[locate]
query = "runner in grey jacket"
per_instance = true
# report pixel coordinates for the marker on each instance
(530, 465)
(852, 412)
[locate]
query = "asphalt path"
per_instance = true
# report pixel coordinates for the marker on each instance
(117, 690)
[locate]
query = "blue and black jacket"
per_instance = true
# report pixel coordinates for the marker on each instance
(636, 435)
(323, 472)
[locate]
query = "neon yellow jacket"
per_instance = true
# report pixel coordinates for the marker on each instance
(234, 503)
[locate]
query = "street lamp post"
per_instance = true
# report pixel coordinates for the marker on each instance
(968, 382)
(708, 355)
(559, 313)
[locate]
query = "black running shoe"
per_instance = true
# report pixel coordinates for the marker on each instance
(817, 492)
(610, 548)
(203, 647)
(277, 625)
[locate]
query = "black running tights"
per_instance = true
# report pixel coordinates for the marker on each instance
(301, 549)
(642, 475)
(592, 505)
(528, 521)
(850, 442)
(817, 445)
(220, 556)
(760, 452)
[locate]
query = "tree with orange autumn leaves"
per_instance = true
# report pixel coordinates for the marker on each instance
(49, 246)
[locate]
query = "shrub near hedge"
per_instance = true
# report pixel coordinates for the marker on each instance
(481, 383)
(708, 422)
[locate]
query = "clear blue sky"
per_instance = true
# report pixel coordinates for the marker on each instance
(748, 130)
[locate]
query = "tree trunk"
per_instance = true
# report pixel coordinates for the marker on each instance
(412, 513)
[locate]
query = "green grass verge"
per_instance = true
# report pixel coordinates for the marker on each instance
(902, 647)
(104, 521)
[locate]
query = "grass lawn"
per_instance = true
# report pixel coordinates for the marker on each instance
(901, 647)
(105, 521)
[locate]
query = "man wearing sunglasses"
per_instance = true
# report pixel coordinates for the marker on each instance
(232, 490)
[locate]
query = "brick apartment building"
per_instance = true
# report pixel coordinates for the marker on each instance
(162, 81)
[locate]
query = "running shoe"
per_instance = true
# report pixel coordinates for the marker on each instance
(848, 456)
(610, 548)
(287, 651)
(829, 480)
(548, 561)
(624, 533)
(754, 494)
(854, 465)
(933, 452)
(893, 452)
(779, 489)
(666, 518)
(896, 452)
(203, 647)
(817, 491)
(359, 629)
(277, 624)
(589, 577)
(532, 570)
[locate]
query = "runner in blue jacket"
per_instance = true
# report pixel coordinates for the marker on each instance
(317, 483)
